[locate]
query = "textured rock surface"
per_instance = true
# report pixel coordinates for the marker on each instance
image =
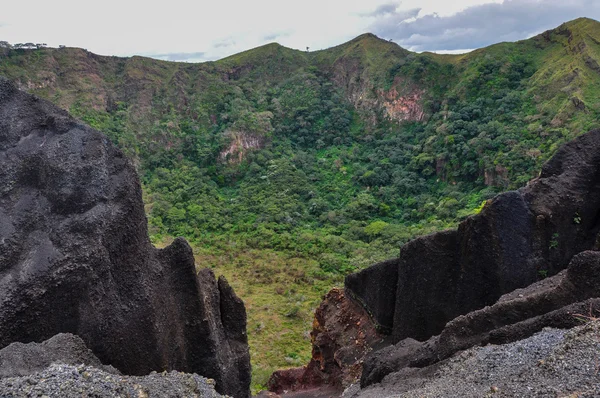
(342, 335)
(20, 359)
(515, 237)
(68, 381)
(75, 256)
(556, 303)
(552, 363)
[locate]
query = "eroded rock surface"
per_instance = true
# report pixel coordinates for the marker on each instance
(551, 363)
(563, 301)
(75, 257)
(373, 288)
(69, 381)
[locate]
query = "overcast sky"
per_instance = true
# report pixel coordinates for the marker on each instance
(206, 30)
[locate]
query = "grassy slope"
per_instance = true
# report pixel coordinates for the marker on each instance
(171, 118)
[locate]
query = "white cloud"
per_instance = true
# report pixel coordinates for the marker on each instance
(128, 27)
(481, 25)
(217, 29)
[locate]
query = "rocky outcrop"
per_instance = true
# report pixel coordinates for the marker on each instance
(342, 335)
(562, 301)
(518, 237)
(399, 106)
(373, 288)
(20, 359)
(75, 257)
(240, 144)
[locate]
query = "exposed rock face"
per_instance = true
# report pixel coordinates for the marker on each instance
(342, 335)
(561, 302)
(551, 363)
(241, 143)
(75, 257)
(401, 107)
(516, 236)
(373, 287)
(69, 381)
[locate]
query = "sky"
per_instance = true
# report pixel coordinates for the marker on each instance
(195, 31)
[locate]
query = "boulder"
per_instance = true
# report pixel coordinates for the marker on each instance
(18, 359)
(75, 257)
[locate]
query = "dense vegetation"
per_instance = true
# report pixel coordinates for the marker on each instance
(287, 170)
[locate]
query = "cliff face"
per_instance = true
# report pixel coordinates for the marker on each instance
(518, 237)
(342, 336)
(75, 257)
(562, 301)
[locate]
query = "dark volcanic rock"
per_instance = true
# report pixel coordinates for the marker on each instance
(373, 287)
(69, 381)
(20, 359)
(517, 236)
(551, 363)
(560, 302)
(75, 256)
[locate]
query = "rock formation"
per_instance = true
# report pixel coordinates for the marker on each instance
(517, 237)
(562, 301)
(373, 288)
(551, 363)
(75, 257)
(342, 335)
(20, 359)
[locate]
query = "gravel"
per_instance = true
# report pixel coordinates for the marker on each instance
(552, 363)
(68, 381)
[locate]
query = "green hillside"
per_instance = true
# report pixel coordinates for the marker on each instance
(288, 169)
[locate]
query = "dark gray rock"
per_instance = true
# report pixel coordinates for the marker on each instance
(561, 302)
(226, 343)
(517, 236)
(551, 363)
(373, 287)
(428, 279)
(20, 359)
(75, 256)
(68, 381)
